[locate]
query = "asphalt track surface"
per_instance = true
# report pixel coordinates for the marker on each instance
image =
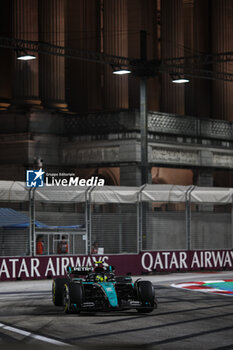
(184, 319)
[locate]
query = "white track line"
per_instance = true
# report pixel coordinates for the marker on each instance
(33, 335)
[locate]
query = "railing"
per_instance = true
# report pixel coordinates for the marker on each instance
(123, 121)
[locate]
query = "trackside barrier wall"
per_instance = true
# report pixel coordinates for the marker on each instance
(112, 221)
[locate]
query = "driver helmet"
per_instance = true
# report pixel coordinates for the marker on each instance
(100, 278)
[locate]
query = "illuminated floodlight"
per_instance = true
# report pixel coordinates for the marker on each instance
(180, 80)
(24, 56)
(121, 71)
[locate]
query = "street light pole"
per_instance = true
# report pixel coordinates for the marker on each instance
(143, 111)
(143, 129)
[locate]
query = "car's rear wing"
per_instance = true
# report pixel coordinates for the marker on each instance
(85, 270)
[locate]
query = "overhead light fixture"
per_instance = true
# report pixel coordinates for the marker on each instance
(179, 79)
(24, 56)
(120, 71)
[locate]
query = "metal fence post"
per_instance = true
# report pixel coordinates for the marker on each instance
(139, 241)
(88, 221)
(140, 219)
(188, 217)
(232, 221)
(30, 225)
(120, 228)
(187, 221)
(32, 221)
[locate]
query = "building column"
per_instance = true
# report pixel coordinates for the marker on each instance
(141, 17)
(172, 45)
(25, 76)
(115, 42)
(52, 67)
(130, 175)
(201, 43)
(6, 56)
(222, 41)
(188, 12)
(83, 78)
(203, 177)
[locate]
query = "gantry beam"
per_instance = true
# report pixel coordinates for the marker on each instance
(191, 66)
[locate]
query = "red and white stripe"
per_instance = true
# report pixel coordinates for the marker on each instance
(200, 287)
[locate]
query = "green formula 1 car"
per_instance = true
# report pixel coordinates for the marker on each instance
(98, 289)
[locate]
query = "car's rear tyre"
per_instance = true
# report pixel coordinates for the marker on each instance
(146, 294)
(57, 290)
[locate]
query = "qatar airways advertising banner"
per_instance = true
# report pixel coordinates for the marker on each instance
(13, 268)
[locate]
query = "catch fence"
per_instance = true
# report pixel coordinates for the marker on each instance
(113, 220)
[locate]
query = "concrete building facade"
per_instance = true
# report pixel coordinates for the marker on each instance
(73, 115)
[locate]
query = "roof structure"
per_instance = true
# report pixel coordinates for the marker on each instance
(18, 192)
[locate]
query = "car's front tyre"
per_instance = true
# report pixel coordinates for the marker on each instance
(146, 294)
(73, 297)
